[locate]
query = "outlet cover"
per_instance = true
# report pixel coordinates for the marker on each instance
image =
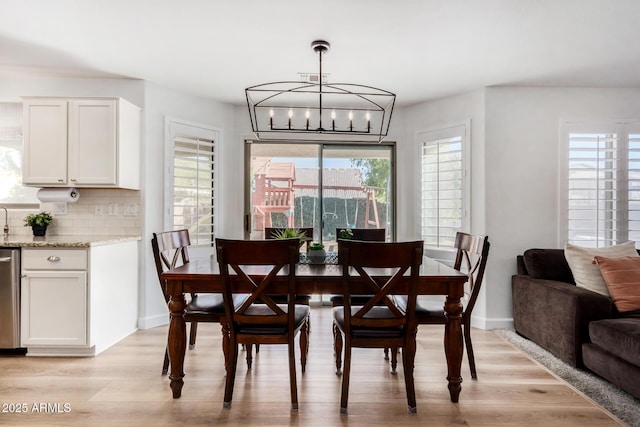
(98, 210)
(131, 209)
(61, 208)
(113, 209)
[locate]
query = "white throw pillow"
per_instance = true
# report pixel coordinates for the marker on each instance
(585, 272)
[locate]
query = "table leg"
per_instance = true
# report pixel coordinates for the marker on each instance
(177, 342)
(453, 346)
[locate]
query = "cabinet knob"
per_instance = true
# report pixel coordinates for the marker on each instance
(73, 179)
(53, 258)
(60, 180)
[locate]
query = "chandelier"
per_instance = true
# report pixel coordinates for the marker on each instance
(318, 110)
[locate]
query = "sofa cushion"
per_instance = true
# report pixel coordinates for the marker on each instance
(547, 264)
(622, 276)
(587, 273)
(620, 336)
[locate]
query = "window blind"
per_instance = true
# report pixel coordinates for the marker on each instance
(193, 188)
(603, 184)
(442, 189)
(593, 182)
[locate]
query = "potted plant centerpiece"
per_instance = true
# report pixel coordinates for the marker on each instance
(316, 253)
(38, 222)
(292, 233)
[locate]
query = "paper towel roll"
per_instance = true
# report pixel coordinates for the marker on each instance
(70, 194)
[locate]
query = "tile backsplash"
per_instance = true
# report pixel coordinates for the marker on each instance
(98, 212)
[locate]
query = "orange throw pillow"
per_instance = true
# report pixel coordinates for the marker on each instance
(622, 276)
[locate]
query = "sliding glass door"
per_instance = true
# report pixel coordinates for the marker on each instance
(323, 186)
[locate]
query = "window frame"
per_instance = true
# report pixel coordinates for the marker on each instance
(181, 128)
(463, 130)
(321, 147)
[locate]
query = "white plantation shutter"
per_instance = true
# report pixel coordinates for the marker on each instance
(193, 188)
(602, 183)
(634, 184)
(443, 184)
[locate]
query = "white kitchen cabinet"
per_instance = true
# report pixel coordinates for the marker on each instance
(81, 142)
(54, 297)
(78, 301)
(54, 308)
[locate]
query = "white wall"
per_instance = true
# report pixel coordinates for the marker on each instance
(438, 114)
(160, 102)
(522, 189)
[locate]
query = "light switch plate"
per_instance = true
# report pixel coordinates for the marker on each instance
(113, 209)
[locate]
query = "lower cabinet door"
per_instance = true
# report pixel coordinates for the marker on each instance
(54, 308)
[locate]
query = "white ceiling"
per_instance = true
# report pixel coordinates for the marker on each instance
(418, 49)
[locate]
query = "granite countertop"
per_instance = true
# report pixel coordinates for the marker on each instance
(27, 241)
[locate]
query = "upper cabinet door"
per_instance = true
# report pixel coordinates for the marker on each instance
(92, 142)
(45, 142)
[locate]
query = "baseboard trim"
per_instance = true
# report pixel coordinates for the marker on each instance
(491, 323)
(153, 321)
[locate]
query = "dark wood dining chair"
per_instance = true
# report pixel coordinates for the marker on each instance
(472, 252)
(251, 266)
(272, 233)
(364, 234)
(170, 250)
(378, 323)
(368, 235)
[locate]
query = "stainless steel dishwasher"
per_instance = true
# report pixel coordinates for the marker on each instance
(9, 298)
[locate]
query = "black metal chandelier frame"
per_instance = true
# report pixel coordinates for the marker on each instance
(276, 108)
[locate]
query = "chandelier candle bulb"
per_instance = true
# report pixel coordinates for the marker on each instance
(350, 120)
(307, 114)
(333, 120)
(290, 116)
(368, 116)
(271, 118)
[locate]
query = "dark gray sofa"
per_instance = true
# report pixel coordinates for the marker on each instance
(581, 327)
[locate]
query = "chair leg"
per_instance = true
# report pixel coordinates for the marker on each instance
(408, 360)
(231, 374)
(469, 348)
(337, 347)
(249, 348)
(346, 372)
(165, 365)
(304, 344)
(394, 360)
(292, 375)
(225, 345)
(386, 353)
(192, 335)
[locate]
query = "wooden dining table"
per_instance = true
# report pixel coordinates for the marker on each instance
(203, 276)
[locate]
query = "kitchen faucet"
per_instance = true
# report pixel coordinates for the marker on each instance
(6, 222)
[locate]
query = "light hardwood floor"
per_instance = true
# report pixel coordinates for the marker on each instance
(123, 386)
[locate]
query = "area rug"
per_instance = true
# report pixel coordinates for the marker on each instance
(613, 399)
